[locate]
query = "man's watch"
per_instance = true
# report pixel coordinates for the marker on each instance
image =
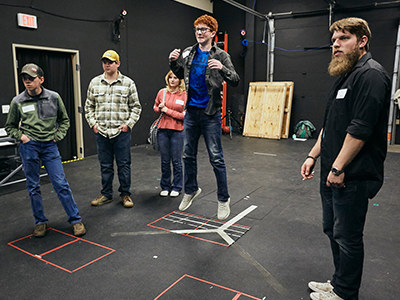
(336, 171)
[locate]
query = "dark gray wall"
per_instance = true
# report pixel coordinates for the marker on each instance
(306, 27)
(153, 28)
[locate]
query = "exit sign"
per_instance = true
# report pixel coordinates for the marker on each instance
(25, 20)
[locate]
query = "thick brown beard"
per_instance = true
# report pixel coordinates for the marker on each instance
(340, 66)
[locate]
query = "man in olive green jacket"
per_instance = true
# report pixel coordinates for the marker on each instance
(38, 118)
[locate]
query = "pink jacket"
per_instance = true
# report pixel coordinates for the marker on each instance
(173, 117)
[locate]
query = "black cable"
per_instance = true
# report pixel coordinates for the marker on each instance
(338, 8)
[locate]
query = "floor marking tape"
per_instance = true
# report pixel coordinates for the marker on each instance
(269, 154)
(221, 230)
(238, 217)
(140, 233)
(226, 237)
(196, 231)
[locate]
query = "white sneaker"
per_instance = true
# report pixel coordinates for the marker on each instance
(223, 209)
(164, 193)
(325, 296)
(174, 193)
(320, 286)
(188, 199)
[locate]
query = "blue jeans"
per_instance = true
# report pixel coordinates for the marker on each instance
(33, 155)
(171, 145)
(120, 148)
(344, 213)
(196, 123)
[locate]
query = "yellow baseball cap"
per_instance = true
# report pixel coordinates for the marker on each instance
(111, 55)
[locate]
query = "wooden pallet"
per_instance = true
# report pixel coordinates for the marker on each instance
(268, 109)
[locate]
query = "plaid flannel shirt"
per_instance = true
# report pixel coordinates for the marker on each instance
(110, 105)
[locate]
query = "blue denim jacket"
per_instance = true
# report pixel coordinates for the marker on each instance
(214, 78)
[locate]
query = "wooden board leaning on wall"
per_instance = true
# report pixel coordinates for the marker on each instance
(268, 109)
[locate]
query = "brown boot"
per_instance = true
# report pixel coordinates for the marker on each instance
(100, 200)
(128, 203)
(79, 229)
(40, 230)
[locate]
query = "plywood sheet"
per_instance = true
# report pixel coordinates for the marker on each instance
(268, 109)
(287, 110)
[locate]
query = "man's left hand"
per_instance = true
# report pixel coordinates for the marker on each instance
(124, 128)
(214, 64)
(335, 181)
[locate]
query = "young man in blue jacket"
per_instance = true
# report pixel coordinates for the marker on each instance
(204, 67)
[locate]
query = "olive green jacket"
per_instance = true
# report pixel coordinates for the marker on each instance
(43, 118)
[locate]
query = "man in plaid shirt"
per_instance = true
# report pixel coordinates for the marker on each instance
(112, 108)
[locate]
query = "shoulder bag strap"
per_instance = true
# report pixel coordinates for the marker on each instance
(163, 101)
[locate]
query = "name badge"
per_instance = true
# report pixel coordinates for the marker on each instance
(119, 88)
(186, 53)
(180, 102)
(28, 108)
(341, 94)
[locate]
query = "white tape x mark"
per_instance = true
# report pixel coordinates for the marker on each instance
(222, 228)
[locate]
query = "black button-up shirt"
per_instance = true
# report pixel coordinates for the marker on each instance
(358, 105)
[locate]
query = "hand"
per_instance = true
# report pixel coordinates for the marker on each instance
(124, 128)
(162, 107)
(214, 64)
(95, 129)
(24, 138)
(174, 55)
(335, 181)
(306, 170)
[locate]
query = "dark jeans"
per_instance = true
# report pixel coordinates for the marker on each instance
(171, 145)
(107, 149)
(33, 155)
(344, 213)
(196, 123)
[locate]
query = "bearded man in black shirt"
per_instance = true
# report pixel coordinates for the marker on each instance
(352, 145)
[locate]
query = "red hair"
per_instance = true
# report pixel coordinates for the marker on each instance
(207, 20)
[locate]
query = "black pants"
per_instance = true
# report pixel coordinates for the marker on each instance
(344, 213)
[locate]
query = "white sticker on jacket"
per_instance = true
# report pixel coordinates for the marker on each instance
(120, 88)
(180, 102)
(186, 53)
(28, 108)
(341, 94)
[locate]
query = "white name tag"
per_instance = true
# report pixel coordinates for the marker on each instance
(28, 108)
(341, 94)
(180, 102)
(186, 53)
(120, 88)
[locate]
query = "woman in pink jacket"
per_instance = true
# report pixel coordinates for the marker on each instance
(170, 135)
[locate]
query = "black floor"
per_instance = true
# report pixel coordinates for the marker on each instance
(132, 253)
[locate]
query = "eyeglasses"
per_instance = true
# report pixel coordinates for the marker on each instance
(201, 29)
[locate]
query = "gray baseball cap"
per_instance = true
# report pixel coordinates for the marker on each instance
(32, 70)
